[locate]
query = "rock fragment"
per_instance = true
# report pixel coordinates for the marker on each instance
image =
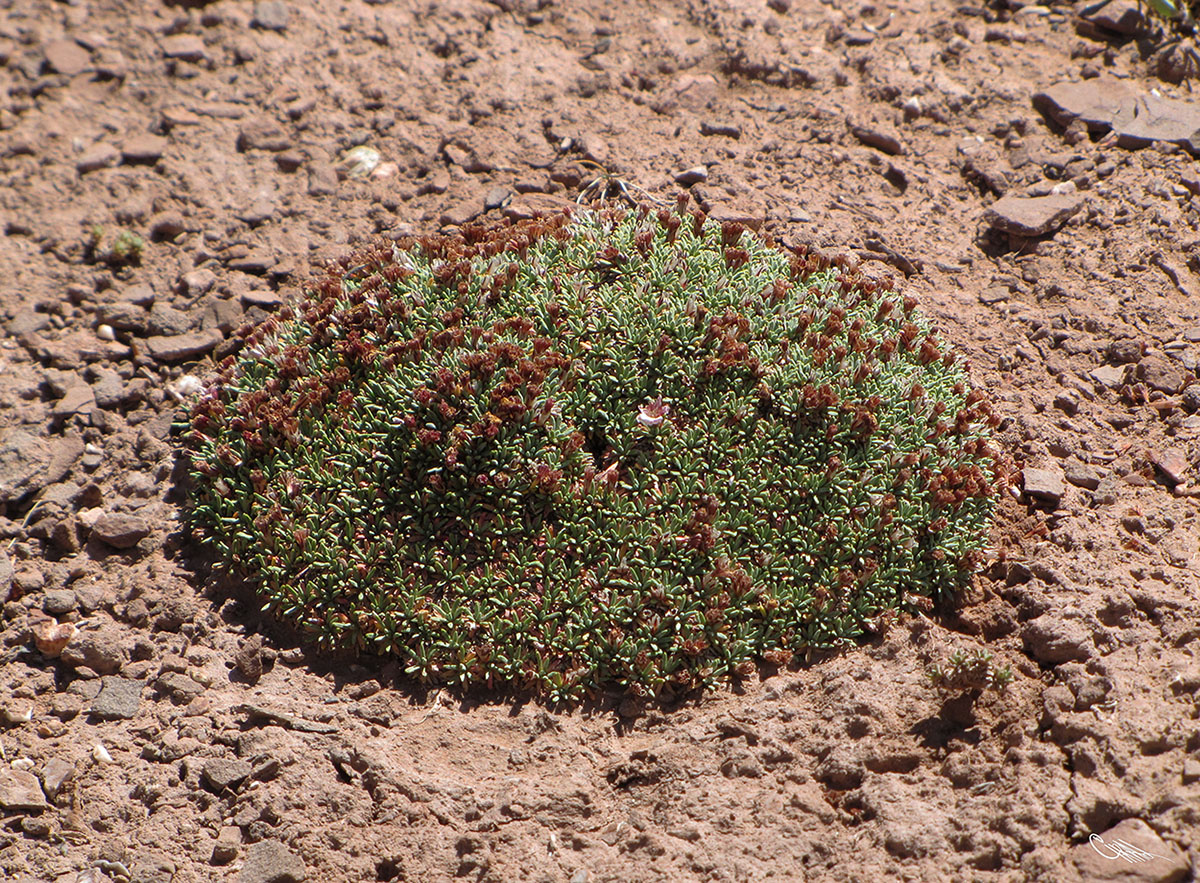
(185, 47)
(272, 15)
(144, 148)
(67, 57)
(221, 773)
(1129, 852)
(1053, 639)
(1033, 215)
(269, 861)
(118, 699)
(20, 791)
(1045, 484)
(176, 348)
(120, 530)
(99, 156)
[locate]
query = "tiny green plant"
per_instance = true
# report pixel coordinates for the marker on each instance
(961, 672)
(637, 449)
(125, 248)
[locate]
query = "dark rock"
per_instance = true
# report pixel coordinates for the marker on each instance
(168, 225)
(221, 773)
(1138, 120)
(59, 601)
(179, 686)
(1119, 16)
(1055, 639)
(118, 699)
(256, 262)
(20, 791)
(120, 529)
(496, 198)
(694, 175)
(178, 347)
(1032, 216)
(1125, 350)
(271, 862)
(728, 130)
(878, 138)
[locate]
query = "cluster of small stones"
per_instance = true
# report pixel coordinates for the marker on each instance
(639, 449)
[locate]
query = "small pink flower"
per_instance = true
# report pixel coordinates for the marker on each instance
(653, 414)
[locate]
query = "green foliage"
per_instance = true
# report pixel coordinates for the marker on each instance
(962, 671)
(642, 450)
(125, 248)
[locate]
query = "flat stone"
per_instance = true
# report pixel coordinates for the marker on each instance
(120, 530)
(1173, 463)
(186, 47)
(20, 791)
(118, 699)
(1160, 374)
(271, 14)
(28, 321)
(100, 650)
(99, 156)
(166, 321)
(1111, 376)
(727, 130)
(178, 347)
(748, 218)
(1054, 639)
(168, 225)
(56, 602)
(269, 861)
(1045, 484)
(222, 772)
(1118, 16)
(29, 463)
(1129, 852)
(1082, 475)
(1138, 119)
(694, 175)
(496, 198)
(1032, 215)
(256, 262)
(179, 686)
(263, 135)
(123, 316)
(57, 773)
(78, 400)
(67, 57)
(229, 841)
(144, 148)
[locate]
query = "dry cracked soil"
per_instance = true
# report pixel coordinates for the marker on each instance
(171, 171)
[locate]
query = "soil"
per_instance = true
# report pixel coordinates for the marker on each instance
(172, 171)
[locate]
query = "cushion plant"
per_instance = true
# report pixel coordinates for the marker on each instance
(635, 449)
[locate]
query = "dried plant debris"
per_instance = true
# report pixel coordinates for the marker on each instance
(636, 449)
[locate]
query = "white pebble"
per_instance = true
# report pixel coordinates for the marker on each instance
(91, 448)
(100, 754)
(24, 763)
(105, 332)
(185, 386)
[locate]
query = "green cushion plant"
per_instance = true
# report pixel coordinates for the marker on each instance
(637, 449)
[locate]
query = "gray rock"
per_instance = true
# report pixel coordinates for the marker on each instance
(879, 138)
(1111, 376)
(57, 773)
(78, 400)
(144, 148)
(99, 650)
(1055, 639)
(1032, 216)
(20, 791)
(198, 282)
(269, 861)
(497, 197)
(100, 156)
(727, 130)
(120, 529)
(186, 47)
(6, 573)
(59, 601)
(1138, 120)
(322, 179)
(176, 348)
(1082, 475)
(168, 225)
(1173, 463)
(694, 175)
(1045, 484)
(222, 772)
(28, 321)
(1118, 16)
(109, 389)
(28, 463)
(67, 57)
(166, 321)
(1160, 374)
(118, 699)
(124, 316)
(271, 14)
(179, 686)
(257, 262)
(263, 135)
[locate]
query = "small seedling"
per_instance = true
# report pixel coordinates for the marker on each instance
(974, 671)
(637, 449)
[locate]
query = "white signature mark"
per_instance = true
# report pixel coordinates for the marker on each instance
(1120, 849)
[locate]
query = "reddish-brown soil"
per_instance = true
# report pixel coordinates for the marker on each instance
(178, 738)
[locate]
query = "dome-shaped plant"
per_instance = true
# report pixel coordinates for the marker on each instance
(632, 449)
